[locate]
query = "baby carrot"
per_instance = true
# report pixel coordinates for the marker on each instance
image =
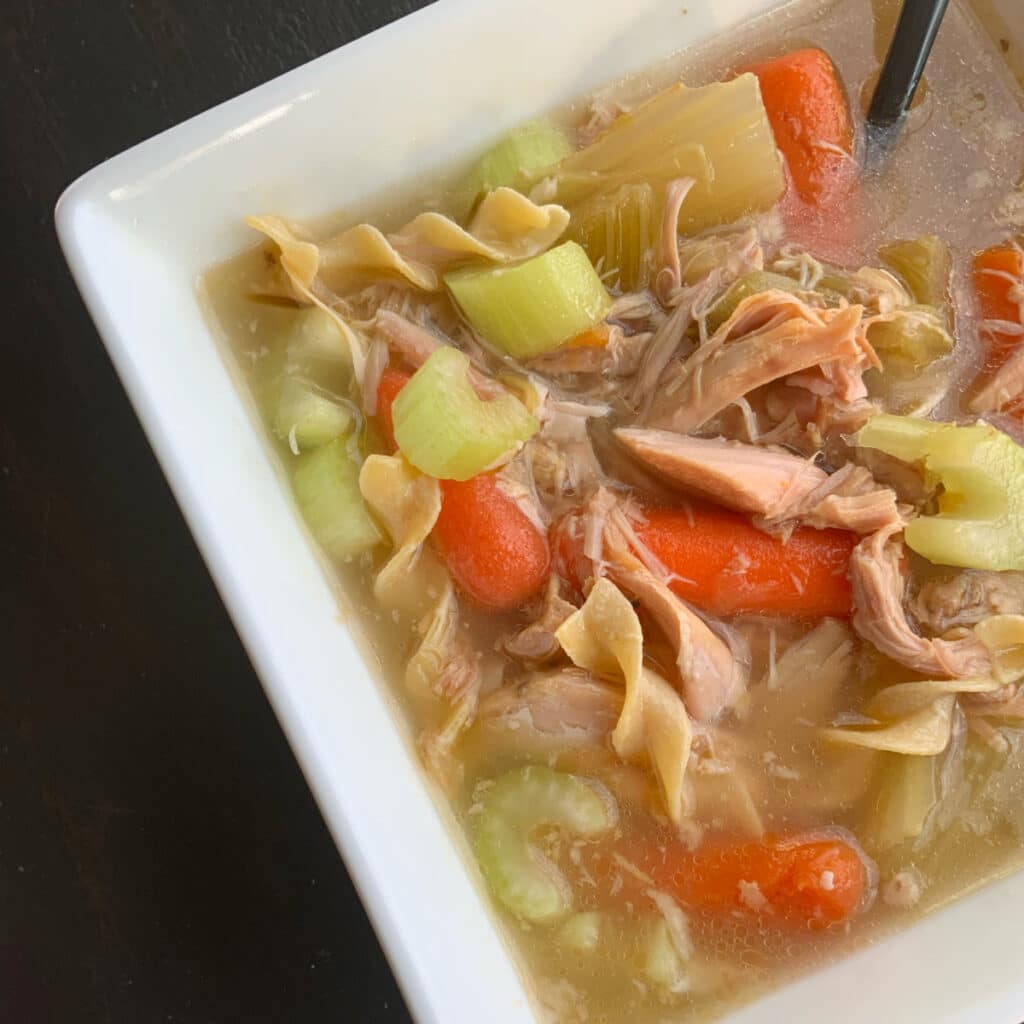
(811, 881)
(998, 275)
(391, 382)
(809, 115)
(493, 550)
(725, 565)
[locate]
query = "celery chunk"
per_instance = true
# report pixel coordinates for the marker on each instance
(661, 963)
(306, 419)
(526, 799)
(582, 932)
(326, 485)
(749, 284)
(718, 134)
(925, 264)
(907, 793)
(980, 522)
(916, 334)
(533, 307)
(445, 430)
(315, 336)
(517, 160)
(620, 231)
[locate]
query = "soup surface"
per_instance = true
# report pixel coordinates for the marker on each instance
(669, 461)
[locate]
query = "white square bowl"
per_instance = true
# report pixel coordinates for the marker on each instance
(138, 231)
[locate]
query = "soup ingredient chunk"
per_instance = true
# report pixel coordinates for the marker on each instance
(722, 563)
(326, 484)
(811, 121)
(518, 159)
(446, 430)
(717, 134)
(926, 264)
(492, 548)
(999, 286)
(980, 522)
(534, 307)
(510, 811)
(811, 880)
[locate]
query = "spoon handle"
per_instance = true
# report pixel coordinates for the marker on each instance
(911, 43)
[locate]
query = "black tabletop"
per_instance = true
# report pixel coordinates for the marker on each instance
(161, 858)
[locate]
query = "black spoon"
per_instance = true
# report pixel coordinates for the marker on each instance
(904, 63)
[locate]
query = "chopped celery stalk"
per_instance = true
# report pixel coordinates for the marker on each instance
(315, 335)
(517, 160)
(905, 797)
(925, 264)
(661, 962)
(533, 307)
(582, 932)
(717, 134)
(742, 288)
(326, 484)
(306, 419)
(620, 231)
(916, 334)
(526, 799)
(980, 522)
(445, 430)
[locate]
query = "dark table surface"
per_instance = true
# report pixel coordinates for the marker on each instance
(161, 858)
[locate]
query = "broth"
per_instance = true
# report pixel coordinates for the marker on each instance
(956, 173)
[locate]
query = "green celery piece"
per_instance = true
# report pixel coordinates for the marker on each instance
(906, 795)
(718, 134)
(517, 161)
(980, 522)
(661, 963)
(306, 419)
(620, 232)
(326, 485)
(925, 264)
(533, 307)
(314, 335)
(916, 334)
(581, 933)
(749, 284)
(513, 808)
(445, 430)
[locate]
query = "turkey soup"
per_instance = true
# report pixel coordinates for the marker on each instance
(670, 461)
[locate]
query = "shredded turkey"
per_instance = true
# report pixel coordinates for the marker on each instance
(849, 499)
(878, 589)
(1004, 387)
(771, 335)
(711, 675)
(768, 482)
(967, 598)
(536, 643)
(551, 711)
(617, 358)
(669, 277)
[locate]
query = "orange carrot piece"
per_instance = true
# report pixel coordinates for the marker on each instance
(998, 275)
(493, 550)
(811, 881)
(595, 337)
(725, 565)
(391, 382)
(810, 117)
